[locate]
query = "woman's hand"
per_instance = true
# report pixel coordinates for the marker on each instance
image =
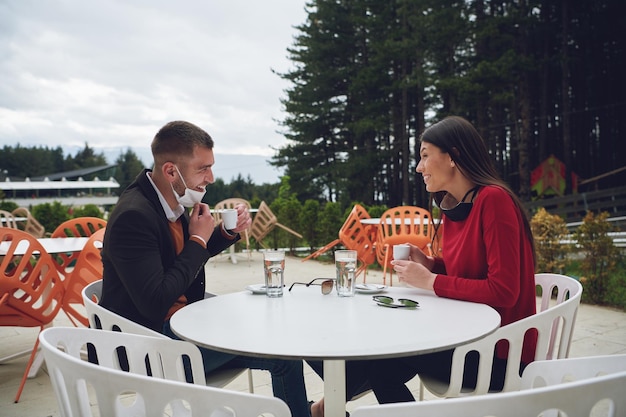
(417, 255)
(414, 274)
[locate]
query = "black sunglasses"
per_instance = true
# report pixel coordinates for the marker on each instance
(327, 284)
(384, 301)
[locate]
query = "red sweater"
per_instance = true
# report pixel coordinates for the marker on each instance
(487, 258)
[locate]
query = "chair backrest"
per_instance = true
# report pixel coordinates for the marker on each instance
(102, 318)
(555, 289)
(120, 393)
(30, 286)
(229, 203)
(554, 326)
(574, 399)
(405, 224)
(88, 268)
(76, 227)
(7, 219)
(398, 225)
(553, 372)
(356, 236)
(31, 225)
(160, 357)
(264, 222)
(79, 227)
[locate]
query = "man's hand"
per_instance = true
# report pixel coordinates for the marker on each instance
(201, 222)
(243, 218)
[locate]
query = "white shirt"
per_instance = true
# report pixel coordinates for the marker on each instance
(172, 215)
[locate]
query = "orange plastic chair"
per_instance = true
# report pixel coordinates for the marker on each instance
(32, 291)
(264, 222)
(88, 269)
(77, 227)
(398, 225)
(356, 236)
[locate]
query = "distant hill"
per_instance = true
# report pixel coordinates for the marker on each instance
(227, 166)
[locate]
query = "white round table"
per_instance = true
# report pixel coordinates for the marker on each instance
(304, 324)
(51, 245)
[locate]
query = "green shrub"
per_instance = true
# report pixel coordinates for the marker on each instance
(51, 215)
(8, 206)
(549, 230)
(88, 210)
(376, 211)
(616, 290)
(330, 221)
(600, 256)
(308, 223)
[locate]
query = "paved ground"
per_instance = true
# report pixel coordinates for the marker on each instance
(598, 331)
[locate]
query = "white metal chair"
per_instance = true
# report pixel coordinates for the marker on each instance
(574, 399)
(554, 323)
(119, 393)
(102, 318)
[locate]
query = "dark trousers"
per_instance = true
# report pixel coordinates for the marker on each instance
(388, 377)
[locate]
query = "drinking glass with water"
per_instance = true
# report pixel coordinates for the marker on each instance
(274, 267)
(345, 264)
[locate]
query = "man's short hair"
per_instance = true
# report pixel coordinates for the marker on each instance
(179, 139)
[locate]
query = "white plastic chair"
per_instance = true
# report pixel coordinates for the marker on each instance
(552, 372)
(574, 399)
(554, 323)
(160, 357)
(119, 393)
(102, 318)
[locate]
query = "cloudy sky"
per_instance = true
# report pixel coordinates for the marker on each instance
(110, 73)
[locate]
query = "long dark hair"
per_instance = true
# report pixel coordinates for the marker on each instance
(460, 139)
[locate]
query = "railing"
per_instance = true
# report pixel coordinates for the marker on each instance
(574, 207)
(619, 239)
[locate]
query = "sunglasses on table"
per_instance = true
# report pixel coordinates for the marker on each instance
(326, 284)
(384, 301)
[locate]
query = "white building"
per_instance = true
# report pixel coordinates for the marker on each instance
(59, 187)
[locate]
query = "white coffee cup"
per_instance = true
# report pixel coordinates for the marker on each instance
(401, 252)
(229, 217)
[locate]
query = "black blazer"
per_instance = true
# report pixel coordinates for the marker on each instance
(143, 276)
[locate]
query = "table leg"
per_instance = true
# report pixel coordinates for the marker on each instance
(233, 255)
(334, 388)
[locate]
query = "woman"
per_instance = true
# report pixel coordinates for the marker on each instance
(487, 256)
(487, 252)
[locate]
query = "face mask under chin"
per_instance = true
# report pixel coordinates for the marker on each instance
(191, 197)
(462, 210)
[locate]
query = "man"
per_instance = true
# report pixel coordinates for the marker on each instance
(154, 251)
